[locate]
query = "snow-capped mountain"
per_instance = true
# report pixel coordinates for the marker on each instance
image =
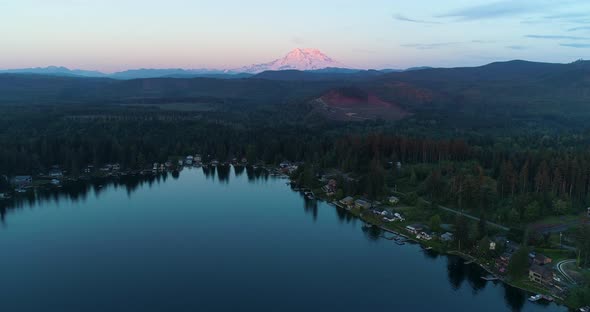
(298, 59)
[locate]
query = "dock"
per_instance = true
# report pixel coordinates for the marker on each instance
(489, 278)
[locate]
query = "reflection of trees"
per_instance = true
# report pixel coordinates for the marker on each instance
(430, 254)
(311, 206)
(78, 190)
(474, 274)
(456, 271)
(515, 298)
(373, 233)
(223, 173)
(239, 170)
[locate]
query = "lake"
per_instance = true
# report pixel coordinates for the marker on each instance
(225, 240)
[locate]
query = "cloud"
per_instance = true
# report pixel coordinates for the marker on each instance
(579, 28)
(511, 8)
(403, 18)
(516, 47)
(576, 45)
(555, 37)
(428, 46)
(496, 10)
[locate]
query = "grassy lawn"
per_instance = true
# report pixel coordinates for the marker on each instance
(555, 254)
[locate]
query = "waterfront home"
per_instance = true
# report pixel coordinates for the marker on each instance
(22, 181)
(362, 204)
(447, 237)
(215, 163)
(415, 228)
(540, 274)
(398, 216)
(347, 202)
(540, 259)
(588, 211)
(330, 188)
(55, 172)
(424, 235)
(189, 160)
(198, 158)
(55, 182)
(393, 200)
(116, 167)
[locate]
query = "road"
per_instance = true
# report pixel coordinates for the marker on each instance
(457, 212)
(468, 216)
(559, 267)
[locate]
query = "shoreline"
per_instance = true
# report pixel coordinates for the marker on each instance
(464, 256)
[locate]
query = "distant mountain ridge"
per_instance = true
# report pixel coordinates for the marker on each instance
(306, 60)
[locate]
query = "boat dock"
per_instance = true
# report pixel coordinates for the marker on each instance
(490, 278)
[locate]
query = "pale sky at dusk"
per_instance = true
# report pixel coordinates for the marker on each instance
(111, 35)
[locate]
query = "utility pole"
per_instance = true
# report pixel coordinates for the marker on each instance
(560, 242)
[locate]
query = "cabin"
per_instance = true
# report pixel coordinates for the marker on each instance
(362, 204)
(393, 200)
(540, 274)
(330, 188)
(347, 201)
(22, 181)
(197, 158)
(424, 235)
(588, 211)
(55, 173)
(116, 167)
(415, 228)
(540, 259)
(189, 160)
(447, 237)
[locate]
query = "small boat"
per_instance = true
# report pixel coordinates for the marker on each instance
(535, 298)
(400, 243)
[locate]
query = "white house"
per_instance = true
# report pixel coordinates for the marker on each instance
(393, 200)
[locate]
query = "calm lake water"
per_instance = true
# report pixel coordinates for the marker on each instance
(222, 241)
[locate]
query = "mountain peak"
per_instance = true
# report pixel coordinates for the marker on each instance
(296, 59)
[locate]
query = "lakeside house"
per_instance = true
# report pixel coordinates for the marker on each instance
(348, 202)
(189, 160)
(540, 274)
(540, 259)
(55, 172)
(415, 228)
(588, 211)
(447, 237)
(362, 204)
(22, 181)
(330, 187)
(393, 200)
(424, 235)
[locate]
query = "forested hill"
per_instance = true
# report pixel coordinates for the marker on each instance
(515, 89)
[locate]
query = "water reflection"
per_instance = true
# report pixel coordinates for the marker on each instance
(78, 191)
(458, 273)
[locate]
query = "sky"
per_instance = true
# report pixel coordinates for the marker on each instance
(113, 35)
